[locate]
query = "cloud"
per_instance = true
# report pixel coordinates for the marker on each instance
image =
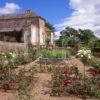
(86, 15)
(9, 8)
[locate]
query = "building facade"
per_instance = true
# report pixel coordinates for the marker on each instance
(26, 28)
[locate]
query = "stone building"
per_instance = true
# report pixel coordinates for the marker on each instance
(25, 28)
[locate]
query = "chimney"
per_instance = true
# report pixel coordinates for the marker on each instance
(28, 11)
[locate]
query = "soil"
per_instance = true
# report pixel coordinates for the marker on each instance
(8, 95)
(78, 64)
(41, 90)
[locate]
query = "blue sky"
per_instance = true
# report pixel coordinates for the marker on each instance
(84, 14)
(52, 10)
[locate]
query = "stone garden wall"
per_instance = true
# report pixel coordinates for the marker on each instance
(15, 47)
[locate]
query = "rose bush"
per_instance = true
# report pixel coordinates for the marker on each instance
(62, 77)
(85, 55)
(68, 80)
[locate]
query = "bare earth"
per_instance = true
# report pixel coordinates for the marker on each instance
(78, 63)
(41, 90)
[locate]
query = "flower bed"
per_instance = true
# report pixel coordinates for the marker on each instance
(16, 82)
(20, 81)
(68, 81)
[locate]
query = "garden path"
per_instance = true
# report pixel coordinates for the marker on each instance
(8, 96)
(78, 64)
(41, 90)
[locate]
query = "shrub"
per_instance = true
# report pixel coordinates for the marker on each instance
(67, 80)
(8, 59)
(62, 77)
(85, 55)
(95, 67)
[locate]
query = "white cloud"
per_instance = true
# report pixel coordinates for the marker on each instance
(9, 8)
(86, 15)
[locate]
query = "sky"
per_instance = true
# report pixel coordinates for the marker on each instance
(84, 14)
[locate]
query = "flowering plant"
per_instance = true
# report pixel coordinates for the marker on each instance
(85, 55)
(8, 59)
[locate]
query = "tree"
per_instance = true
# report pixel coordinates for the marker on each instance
(86, 36)
(69, 37)
(74, 38)
(50, 26)
(68, 31)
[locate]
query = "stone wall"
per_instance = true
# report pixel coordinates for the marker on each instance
(15, 47)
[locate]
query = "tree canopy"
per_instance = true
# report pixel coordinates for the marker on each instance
(72, 37)
(50, 26)
(86, 35)
(68, 31)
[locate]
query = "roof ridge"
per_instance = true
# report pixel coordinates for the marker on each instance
(27, 13)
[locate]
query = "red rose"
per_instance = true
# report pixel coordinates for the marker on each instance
(66, 82)
(93, 74)
(9, 85)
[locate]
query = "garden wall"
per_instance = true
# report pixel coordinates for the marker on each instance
(16, 47)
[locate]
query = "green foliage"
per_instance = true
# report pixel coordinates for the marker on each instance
(69, 32)
(38, 52)
(63, 76)
(69, 37)
(55, 54)
(24, 80)
(95, 66)
(50, 26)
(72, 37)
(86, 35)
(10, 80)
(24, 95)
(9, 59)
(97, 43)
(67, 41)
(94, 44)
(68, 80)
(52, 53)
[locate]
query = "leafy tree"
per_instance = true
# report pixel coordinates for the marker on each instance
(69, 37)
(86, 36)
(64, 41)
(50, 26)
(69, 32)
(74, 38)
